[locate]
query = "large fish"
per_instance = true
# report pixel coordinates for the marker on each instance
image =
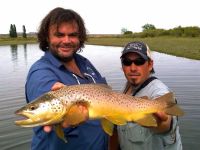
(101, 102)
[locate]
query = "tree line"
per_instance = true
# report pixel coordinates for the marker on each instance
(13, 31)
(149, 30)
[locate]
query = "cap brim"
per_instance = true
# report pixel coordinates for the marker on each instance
(131, 51)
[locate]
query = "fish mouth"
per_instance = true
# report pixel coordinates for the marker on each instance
(28, 119)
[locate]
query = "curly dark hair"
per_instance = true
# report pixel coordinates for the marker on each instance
(56, 17)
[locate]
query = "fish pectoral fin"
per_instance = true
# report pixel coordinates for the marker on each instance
(107, 126)
(116, 119)
(146, 120)
(76, 115)
(59, 132)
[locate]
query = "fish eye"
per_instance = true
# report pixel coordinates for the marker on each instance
(32, 107)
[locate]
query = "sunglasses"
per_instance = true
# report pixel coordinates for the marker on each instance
(137, 62)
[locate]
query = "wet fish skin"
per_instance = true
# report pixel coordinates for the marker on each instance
(102, 103)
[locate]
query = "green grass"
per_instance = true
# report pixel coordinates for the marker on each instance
(184, 47)
(19, 40)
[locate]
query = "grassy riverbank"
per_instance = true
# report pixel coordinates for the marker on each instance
(19, 40)
(184, 47)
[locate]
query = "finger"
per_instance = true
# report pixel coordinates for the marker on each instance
(57, 86)
(65, 124)
(47, 129)
(161, 116)
(80, 114)
(84, 111)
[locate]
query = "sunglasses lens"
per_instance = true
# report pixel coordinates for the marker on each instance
(137, 62)
(126, 62)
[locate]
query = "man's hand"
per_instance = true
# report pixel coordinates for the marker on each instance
(47, 129)
(56, 86)
(163, 121)
(82, 110)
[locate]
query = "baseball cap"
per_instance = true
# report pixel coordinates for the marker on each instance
(137, 47)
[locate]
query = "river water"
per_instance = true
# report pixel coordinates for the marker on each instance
(180, 74)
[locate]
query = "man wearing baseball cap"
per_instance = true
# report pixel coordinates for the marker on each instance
(137, 65)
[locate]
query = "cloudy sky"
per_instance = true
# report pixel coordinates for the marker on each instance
(103, 16)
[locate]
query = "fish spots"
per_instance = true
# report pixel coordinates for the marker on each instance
(65, 102)
(100, 102)
(56, 105)
(47, 97)
(45, 106)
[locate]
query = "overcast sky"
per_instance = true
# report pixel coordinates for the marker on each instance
(103, 16)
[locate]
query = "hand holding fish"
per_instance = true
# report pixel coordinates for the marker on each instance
(65, 124)
(72, 105)
(163, 122)
(55, 87)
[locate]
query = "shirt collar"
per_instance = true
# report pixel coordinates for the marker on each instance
(52, 59)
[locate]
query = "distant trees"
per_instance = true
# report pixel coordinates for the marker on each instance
(149, 30)
(13, 31)
(185, 31)
(148, 27)
(123, 30)
(24, 31)
(126, 31)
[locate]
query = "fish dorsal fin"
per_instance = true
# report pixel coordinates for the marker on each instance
(76, 114)
(107, 126)
(104, 86)
(145, 120)
(59, 132)
(168, 98)
(116, 119)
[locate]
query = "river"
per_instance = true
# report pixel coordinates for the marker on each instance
(180, 74)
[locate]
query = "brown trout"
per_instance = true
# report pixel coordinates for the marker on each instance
(102, 103)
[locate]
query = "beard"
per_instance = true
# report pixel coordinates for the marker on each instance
(61, 57)
(133, 80)
(133, 83)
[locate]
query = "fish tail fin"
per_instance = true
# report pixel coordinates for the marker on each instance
(174, 110)
(171, 106)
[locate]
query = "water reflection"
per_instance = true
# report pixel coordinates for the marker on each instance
(14, 52)
(25, 53)
(13, 49)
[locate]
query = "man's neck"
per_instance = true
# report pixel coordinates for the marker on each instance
(73, 67)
